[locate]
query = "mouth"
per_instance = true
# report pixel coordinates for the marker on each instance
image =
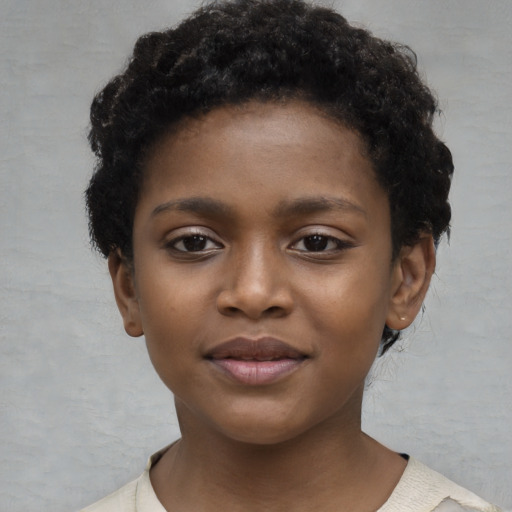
(256, 362)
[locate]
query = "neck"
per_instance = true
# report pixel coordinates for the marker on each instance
(332, 464)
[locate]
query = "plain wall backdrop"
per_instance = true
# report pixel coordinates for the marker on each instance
(80, 405)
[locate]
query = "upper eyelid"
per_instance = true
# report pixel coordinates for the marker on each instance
(341, 237)
(171, 244)
(178, 234)
(185, 231)
(338, 241)
(327, 231)
(304, 232)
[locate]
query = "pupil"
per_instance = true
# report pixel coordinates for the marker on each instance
(315, 243)
(194, 243)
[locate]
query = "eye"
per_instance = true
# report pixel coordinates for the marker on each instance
(319, 243)
(194, 243)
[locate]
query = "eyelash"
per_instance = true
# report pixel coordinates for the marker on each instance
(172, 244)
(323, 239)
(339, 245)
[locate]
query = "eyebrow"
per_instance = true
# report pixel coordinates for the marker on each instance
(207, 206)
(200, 205)
(317, 204)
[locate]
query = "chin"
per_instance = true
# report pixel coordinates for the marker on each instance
(264, 431)
(262, 437)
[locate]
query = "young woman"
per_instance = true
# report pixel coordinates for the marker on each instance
(269, 193)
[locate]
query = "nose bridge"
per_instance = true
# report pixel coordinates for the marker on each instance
(255, 281)
(255, 267)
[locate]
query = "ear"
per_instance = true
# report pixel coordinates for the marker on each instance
(411, 278)
(124, 291)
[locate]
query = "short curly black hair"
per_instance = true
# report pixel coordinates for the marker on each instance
(231, 52)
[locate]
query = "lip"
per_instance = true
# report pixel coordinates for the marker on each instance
(256, 361)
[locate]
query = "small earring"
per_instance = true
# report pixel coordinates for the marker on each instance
(402, 318)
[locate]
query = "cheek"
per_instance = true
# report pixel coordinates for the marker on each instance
(175, 310)
(349, 301)
(348, 312)
(169, 297)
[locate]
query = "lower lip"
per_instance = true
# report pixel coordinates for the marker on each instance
(257, 373)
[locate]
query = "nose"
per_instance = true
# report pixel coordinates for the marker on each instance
(255, 285)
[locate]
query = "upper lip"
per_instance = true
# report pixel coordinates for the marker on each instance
(260, 349)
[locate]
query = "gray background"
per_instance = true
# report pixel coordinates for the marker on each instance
(80, 406)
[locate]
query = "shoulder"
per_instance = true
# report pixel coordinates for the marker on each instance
(422, 489)
(123, 500)
(137, 496)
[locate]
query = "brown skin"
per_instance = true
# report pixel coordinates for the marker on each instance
(296, 443)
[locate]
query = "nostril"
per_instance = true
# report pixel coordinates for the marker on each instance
(253, 303)
(274, 311)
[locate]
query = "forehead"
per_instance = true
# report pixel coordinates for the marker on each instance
(262, 153)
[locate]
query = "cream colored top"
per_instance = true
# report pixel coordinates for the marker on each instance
(419, 490)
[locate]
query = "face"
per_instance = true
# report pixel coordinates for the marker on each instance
(262, 274)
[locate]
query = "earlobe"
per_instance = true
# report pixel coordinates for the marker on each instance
(125, 294)
(411, 279)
